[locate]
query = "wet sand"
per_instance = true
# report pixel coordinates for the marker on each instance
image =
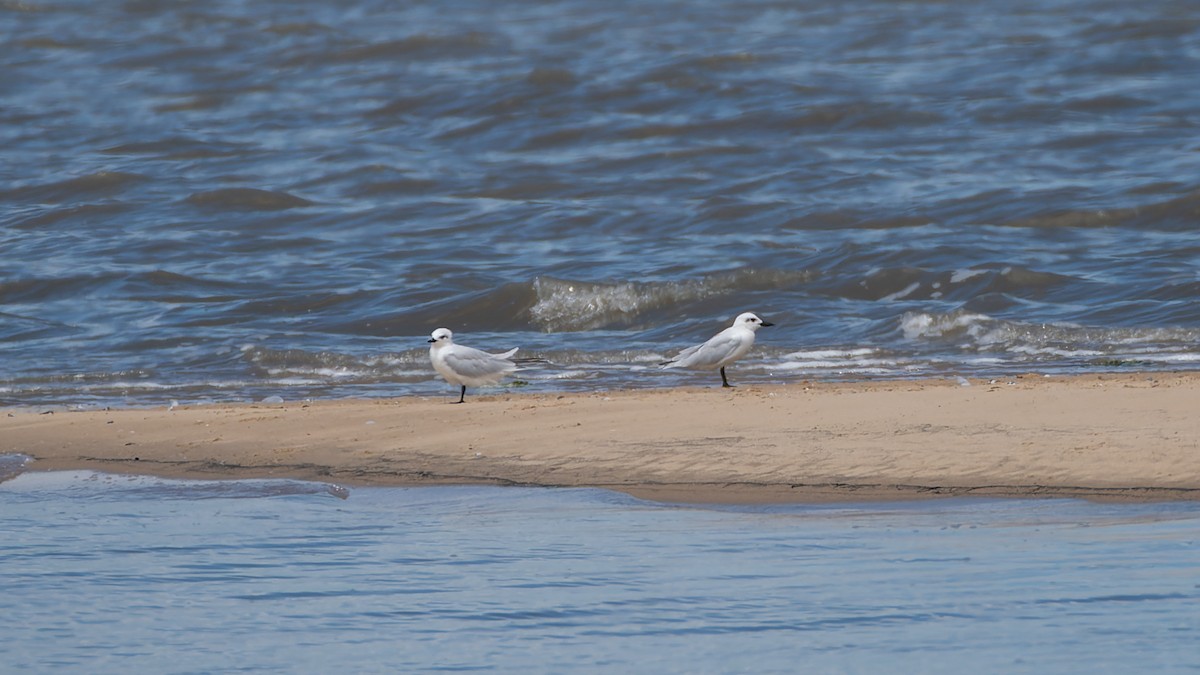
(1127, 436)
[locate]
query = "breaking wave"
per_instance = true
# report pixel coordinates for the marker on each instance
(564, 306)
(1025, 341)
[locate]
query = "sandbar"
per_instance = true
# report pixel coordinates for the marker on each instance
(1104, 436)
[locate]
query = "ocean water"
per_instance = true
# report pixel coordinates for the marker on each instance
(229, 200)
(120, 574)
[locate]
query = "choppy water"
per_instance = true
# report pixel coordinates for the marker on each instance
(226, 200)
(119, 574)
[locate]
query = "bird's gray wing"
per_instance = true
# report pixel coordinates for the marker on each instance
(674, 360)
(708, 353)
(471, 363)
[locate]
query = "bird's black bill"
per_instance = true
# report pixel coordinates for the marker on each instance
(767, 323)
(431, 340)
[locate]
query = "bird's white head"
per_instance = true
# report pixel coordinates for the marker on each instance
(750, 320)
(442, 335)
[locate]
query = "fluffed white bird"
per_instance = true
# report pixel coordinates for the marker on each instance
(721, 349)
(467, 366)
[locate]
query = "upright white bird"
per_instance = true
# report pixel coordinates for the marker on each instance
(721, 349)
(464, 365)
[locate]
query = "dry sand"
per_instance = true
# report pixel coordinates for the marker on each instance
(1109, 436)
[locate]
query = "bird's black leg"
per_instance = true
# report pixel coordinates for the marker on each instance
(462, 395)
(725, 382)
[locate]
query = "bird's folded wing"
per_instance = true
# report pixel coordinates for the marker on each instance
(707, 353)
(682, 356)
(718, 348)
(474, 363)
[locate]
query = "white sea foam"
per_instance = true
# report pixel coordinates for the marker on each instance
(1173, 358)
(1048, 342)
(1053, 351)
(960, 276)
(916, 325)
(122, 384)
(832, 353)
(86, 482)
(861, 360)
(576, 306)
(326, 373)
(902, 293)
(842, 364)
(567, 375)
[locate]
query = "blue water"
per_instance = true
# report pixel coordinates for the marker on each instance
(229, 200)
(120, 574)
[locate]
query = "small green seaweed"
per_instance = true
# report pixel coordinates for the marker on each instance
(1120, 363)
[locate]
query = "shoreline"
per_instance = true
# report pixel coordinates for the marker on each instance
(1107, 436)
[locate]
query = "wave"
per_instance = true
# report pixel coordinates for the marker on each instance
(247, 199)
(1176, 213)
(178, 147)
(911, 283)
(34, 290)
(554, 305)
(422, 45)
(98, 184)
(51, 217)
(564, 306)
(855, 361)
(156, 285)
(1027, 341)
(18, 327)
(300, 366)
(1172, 214)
